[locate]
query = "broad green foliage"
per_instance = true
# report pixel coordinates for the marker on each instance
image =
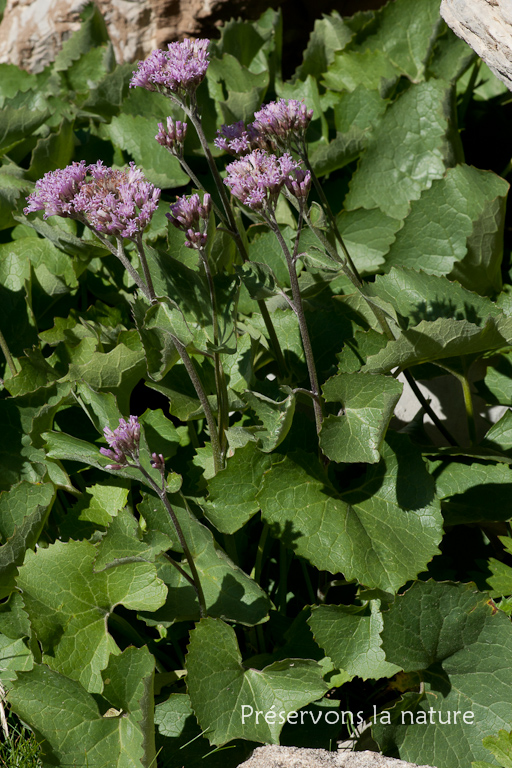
(281, 551)
(283, 687)
(454, 636)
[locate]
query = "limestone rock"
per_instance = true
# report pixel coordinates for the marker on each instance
(486, 25)
(293, 757)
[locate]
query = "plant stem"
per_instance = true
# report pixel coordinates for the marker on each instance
(327, 209)
(470, 410)
(120, 254)
(220, 379)
(299, 311)
(381, 319)
(210, 420)
(181, 538)
(428, 408)
(188, 170)
(145, 268)
(282, 591)
(7, 354)
(193, 113)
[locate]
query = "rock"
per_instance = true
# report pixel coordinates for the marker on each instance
(293, 757)
(485, 25)
(32, 31)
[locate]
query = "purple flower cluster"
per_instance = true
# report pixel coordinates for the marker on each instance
(283, 121)
(257, 179)
(237, 139)
(172, 137)
(113, 202)
(178, 71)
(276, 127)
(191, 216)
(56, 191)
(123, 442)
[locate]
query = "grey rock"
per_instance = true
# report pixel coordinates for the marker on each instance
(293, 757)
(486, 25)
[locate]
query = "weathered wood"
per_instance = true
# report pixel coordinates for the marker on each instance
(486, 25)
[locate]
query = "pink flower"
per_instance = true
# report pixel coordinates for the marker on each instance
(56, 191)
(191, 216)
(123, 442)
(257, 179)
(117, 202)
(179, 70)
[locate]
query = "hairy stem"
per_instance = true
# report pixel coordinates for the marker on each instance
(220, 379)
(145, 268)
(210, 420)
(193, 113)
(120, 254)
(7, 354)
(299, 311)
(303, 153)
(181, 538)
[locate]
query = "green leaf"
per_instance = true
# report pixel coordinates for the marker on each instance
(13, 80)
(136, 134)
(406, 32)
(106, 97)
(238, 91)
(352, 69)
(350, 636)
(228, 591)
(474, 492)
(53, 151)
(34, 372)
(501, 747)
(14, 657)
(117, 371)
(500, 434)
(330, 34)
(167, 317)
(182, 741)
(259, 279)
(418, 296)
(91, 34)
(214, 662)
(460, 217)
(410, 148)
(440, 340)
(232, 492)
(276, 418)
(455, 634)
(69, 615)
(12, 186)
(23, 513)
(364, 344)
(367, 405)
(451, 56)
(381, 533)
(17, 124)
(80, 733)
(123, 544)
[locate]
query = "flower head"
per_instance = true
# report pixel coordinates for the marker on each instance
(123, 442)
(235, 139)
(117, 202)
(179, 70)
(172, 137)
(298, 182)
(191, 216)
(55, 192)
(282, 122)
(257, 178)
